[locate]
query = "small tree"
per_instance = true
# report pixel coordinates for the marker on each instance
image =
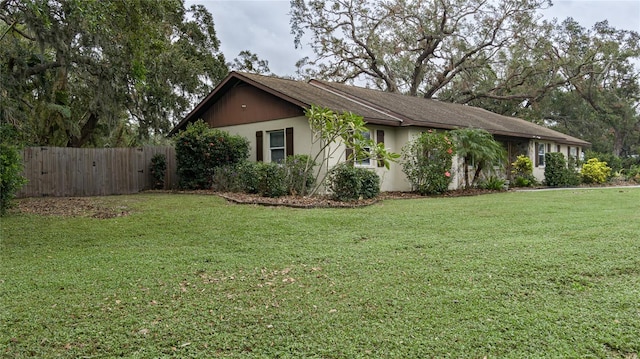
(478, 149)
(332, 132)
(427, 161)
(556, 171)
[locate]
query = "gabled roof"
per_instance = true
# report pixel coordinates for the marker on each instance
(383, 108)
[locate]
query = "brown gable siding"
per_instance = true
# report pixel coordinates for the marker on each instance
(246, 104)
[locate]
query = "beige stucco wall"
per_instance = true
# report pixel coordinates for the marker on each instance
(395, 138)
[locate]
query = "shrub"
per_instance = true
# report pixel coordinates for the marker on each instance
(158, 170)
(247, 175)
(633, 174)
(611, 160)
(595, 171)
(493, 183)
(427, 161)
(299, 174)
(200, 149)
(557, 173)
(226, 179)
(270, 179)
(522, 170)
(10, 178)
(347, 183)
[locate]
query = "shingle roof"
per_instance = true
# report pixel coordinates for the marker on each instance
(385, 108)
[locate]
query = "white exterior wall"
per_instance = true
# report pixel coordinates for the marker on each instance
(538, 171)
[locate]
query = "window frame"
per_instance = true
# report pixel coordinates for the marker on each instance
(277, 148)
(365, 162)
(540, 152)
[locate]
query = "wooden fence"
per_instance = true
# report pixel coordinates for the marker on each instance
(69, 172)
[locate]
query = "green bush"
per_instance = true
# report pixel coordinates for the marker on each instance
(522, 171)
(158, 170)
(10, 179)
(595, 171)
(200, 149)
(427, 161)
(633, 174)
(299, 174)
(493, 183)
(557, 173)
(348, 183)
(271, 179)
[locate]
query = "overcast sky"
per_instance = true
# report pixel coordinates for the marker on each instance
(262, 26)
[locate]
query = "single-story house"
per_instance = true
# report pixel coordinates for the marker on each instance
(269, 111)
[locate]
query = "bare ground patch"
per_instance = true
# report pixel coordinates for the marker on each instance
(94, 207)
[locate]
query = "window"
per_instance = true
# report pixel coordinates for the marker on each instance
(365, 161)
(541, 154)
(276, 146)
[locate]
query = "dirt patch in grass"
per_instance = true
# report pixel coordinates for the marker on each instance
(71, 207)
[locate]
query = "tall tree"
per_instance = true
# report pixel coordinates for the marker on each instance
(415, 47)
(75, 69)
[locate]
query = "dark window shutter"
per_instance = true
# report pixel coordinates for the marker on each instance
(288, 137)
(535, 154)
(259, 146)
(568, 152)
(380, 139)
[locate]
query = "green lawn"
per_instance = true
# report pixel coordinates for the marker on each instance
(509, 275)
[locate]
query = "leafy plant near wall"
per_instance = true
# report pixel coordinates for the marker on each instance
(595, 171)
(299, 174)
(158, 169)
(427, 162)
(480, 151)
(200, 149)
(348, 183)
(332, 132)
(557, 173)
(522, 171)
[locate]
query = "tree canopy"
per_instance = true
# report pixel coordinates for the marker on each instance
(80, 73)
(499, 55)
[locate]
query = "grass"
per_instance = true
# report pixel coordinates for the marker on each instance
(512, 275)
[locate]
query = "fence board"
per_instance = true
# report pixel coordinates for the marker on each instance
(66, 172)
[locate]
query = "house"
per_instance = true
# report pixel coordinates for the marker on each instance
(269, 111)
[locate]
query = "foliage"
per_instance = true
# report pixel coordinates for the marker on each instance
(480, 151)
(595, 171)
(427, 161)
(633, 174)
(299, 174)
(158, 169)
(332, 132)
(348, 183)
(612, 160)
(247, 61)
(271, 179)
(557, 173)
(291, 283)
(86, 73)
(200, 149)
(498, 55)
(522, 171)
(266, 179)
(493, 183)
(11, 179)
